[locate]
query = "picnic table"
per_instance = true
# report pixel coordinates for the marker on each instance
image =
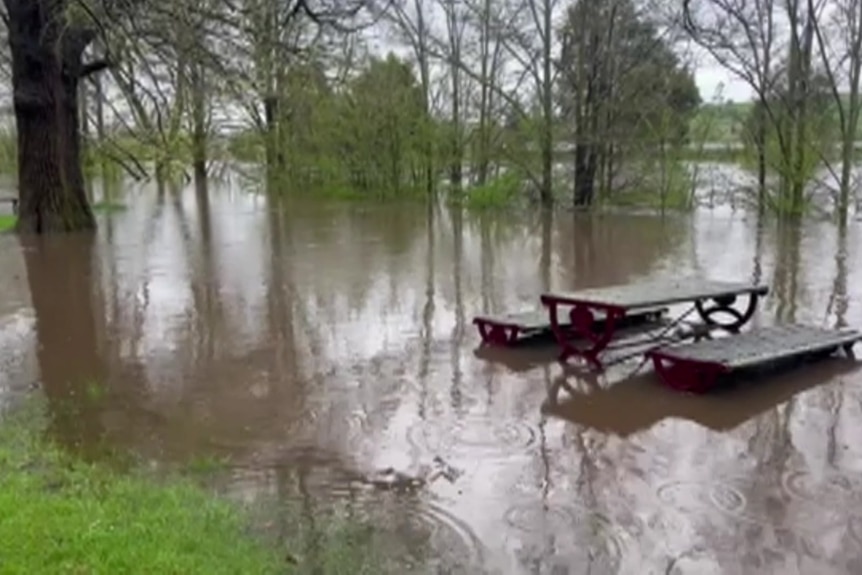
(709, 300)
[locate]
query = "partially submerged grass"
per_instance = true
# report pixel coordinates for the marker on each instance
(7, 222)
(108, 206)
(61, 515)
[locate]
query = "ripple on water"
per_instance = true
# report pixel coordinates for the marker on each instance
(692, 496)
(457, 546)
(473, 435)
(855, 527)
(763, 506)
(406, 527)
(581, 537)
(835, 489)
(410, 532)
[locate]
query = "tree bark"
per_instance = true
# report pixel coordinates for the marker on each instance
(199, 128)
(46, 69)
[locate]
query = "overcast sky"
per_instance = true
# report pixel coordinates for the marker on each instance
(710, 77)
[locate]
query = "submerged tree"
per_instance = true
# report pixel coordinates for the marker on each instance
(622, 89)
(47, 44)
(48, 40)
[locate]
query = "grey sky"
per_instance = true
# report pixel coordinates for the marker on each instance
(709, 76)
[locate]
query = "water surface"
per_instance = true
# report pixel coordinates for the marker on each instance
(315, 345)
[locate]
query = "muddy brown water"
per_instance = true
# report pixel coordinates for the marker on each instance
(325, 351)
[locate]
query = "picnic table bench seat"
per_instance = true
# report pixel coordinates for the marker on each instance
(696, 366)
(511, 328)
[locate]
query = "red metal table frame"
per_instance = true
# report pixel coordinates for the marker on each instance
(710, 298)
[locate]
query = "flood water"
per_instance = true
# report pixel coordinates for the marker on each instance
(315, 346)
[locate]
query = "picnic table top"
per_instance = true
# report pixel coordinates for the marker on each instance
(761, 345)
(656, 293)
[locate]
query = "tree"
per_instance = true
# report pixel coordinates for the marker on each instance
(47, 40)
(622, 89)
(839, 42)
(414, 28)
(741, 36)
(384, 120)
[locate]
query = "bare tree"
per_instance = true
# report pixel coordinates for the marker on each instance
(839, 42)
(742, 37)
(456, 22)
(412, 23)
(485, 16)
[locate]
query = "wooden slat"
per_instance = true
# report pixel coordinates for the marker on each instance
(762, 345)
(658, 293)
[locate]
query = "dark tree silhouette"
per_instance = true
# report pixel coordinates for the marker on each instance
(47, 50)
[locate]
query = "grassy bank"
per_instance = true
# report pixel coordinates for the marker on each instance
(8, 221)
(60, 515)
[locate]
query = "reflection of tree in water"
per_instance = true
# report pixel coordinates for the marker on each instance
(208, 313)
(771, 443)
(838, 300)
(428, 308)
(458, 329)
(60, 270)
(486, 265)
(281, 296)
(785, 278)
(322, 506)
(757, 272)
(610, 249)
(355, 247)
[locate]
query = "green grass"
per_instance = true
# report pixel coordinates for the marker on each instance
(61, 515)
(7, 222)
(108, 207)
(497, 193)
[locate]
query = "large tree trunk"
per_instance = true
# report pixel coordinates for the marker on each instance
(46, 68)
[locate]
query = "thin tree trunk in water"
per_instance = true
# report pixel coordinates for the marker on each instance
(454, 26)
(847, 149)
(547, 143)
(585, 175)
(46, 68)
(761, 157)
(609, 169)
(455, 171)
(802, 118)
(199, 129)
(270, 110)
(100, 124)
